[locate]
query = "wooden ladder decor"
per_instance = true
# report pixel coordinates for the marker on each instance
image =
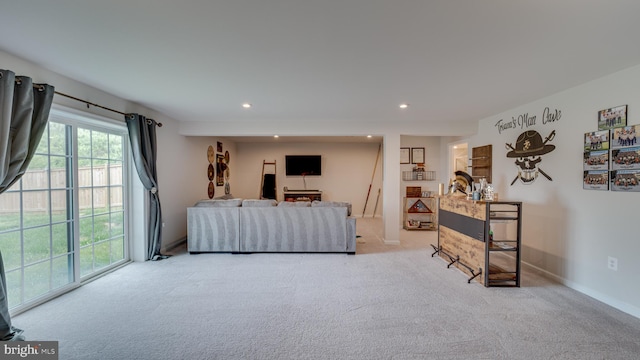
(268, 188)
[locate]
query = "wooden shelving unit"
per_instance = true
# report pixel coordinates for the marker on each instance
(420, 213)
(481, 162)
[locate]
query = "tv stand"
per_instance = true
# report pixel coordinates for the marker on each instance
(302, 195)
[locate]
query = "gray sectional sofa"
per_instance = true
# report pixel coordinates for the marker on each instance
(248, 226)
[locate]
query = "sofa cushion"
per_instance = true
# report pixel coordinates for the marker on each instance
(294, 203)
(219, 203)
(333, 204)
(259, 203)
(224, 197)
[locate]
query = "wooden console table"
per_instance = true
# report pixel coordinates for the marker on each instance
(482, 239)
(302, 195)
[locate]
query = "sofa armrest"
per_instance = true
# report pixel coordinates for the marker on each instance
(213, 229)
(351, 235)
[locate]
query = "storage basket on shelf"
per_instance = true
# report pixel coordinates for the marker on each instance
(418, 175)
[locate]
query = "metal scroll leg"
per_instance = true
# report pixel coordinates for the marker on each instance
(436, 250)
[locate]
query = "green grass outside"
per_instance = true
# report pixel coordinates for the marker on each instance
(101, 244)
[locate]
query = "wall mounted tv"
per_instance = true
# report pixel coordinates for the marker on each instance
(307, 165)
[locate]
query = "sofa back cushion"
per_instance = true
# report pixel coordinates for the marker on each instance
(294, 203)
(259, 203)
(219, 203)
(333, 204)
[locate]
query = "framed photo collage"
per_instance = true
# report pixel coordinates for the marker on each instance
(612, 154)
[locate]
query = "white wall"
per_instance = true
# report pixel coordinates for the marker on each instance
(347, 171)
(569, 232)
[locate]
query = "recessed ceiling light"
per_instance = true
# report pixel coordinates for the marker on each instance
(404, 106)
(246, 105)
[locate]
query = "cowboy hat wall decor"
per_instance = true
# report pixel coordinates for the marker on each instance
(528, 153)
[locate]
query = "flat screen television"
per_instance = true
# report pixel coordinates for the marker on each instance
(307, 165)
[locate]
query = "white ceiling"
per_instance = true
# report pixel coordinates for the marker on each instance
(326, 60)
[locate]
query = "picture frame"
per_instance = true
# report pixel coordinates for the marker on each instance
(596, 160)
(596, 140)
(612, 118)
(417, 155)
(625, 158)
(624, 136)
(625, 180)
(219, 146)
(405, 155)
(595, 180)
(220, 168)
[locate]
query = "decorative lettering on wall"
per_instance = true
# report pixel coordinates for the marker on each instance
(525, 121)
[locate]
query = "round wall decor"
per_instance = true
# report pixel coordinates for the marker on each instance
(211, 172)
(211, 190)
(211, 155)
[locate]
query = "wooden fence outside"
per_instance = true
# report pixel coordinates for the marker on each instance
(100, 195)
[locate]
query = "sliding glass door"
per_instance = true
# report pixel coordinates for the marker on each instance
(64, 221)
(101, 199)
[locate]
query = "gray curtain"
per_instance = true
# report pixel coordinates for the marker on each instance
(24, 111)
(142, 135)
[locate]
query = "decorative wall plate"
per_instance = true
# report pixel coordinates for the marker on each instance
(211, 172)
(211, 190)
(226, 157)
(211, 155)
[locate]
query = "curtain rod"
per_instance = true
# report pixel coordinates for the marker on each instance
(149, 121)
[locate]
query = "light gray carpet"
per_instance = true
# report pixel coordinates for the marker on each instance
(384, 303)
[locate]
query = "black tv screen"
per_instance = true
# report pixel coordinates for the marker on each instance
(307, 165)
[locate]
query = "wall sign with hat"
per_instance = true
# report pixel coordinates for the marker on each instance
(528, 154)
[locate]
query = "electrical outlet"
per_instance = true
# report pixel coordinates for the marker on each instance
(612, 263)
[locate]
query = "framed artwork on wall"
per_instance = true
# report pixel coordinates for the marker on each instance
(405, 156)
(624, 136)
(612, 118)
(417, 155)
(596, 180)
(625, 180)
(625, 158)
(220, 168)
(596, 160)
(596, 140)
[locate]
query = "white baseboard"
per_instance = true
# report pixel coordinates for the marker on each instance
(603, 298)
(175, 244)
